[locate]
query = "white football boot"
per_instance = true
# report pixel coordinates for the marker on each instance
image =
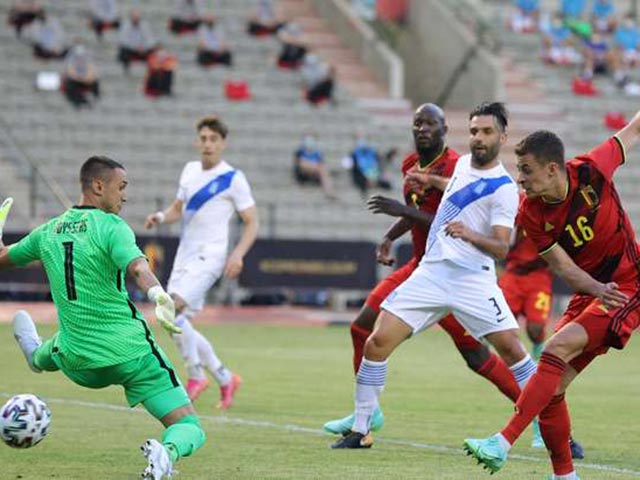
(160, 465)
(25, 333)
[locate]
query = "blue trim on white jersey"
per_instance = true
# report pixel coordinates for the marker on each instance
(456, 202)
(211, 190)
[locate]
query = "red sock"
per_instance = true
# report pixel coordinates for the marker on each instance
(555, 426)
(498, 373)
(536, 395)
(359, 335)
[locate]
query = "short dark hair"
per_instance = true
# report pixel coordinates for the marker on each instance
(495, 109)
(544, 145)
(214, 123)
(96, 167)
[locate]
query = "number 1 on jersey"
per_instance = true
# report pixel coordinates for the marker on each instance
(69, 279)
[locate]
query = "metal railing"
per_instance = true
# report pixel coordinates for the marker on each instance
(34, 172)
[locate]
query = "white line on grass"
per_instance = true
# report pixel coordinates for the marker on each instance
(314, 431)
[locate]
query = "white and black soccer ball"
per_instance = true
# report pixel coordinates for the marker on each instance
(24, 421)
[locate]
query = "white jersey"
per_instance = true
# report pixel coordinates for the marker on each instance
(210, 198)
(480, 199)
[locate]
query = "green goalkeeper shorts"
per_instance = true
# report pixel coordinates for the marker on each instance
(142, 378)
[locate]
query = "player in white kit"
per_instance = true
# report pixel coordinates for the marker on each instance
(209, 194)
(471, 229)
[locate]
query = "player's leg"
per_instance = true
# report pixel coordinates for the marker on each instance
(480, 306)
(581, 335)
(390, 332)
(415, 305)
(153, 381)
(228, 381)
(481, 359)
(537, 308)
(360, 330)
(39, 355)
(363, 325)
(190, 280)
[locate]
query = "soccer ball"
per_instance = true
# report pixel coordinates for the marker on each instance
(24, 421)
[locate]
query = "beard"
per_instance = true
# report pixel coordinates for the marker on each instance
(484, 157)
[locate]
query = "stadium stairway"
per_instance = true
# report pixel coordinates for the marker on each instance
(154, 138)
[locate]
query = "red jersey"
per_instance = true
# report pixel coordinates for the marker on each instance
(590, 223)
(523, 257)
(426, 200)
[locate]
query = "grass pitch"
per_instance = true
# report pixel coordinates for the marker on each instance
(295, 379)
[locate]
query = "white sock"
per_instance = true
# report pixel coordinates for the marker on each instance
(186, 343)
(568, 476)
(369, 385)
(523, 370)
(503, 441)
(210, 360)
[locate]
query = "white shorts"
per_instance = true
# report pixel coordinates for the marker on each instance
(194, 273)
(436, 289)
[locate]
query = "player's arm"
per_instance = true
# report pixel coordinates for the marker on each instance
(169, 215)
(235, 262)
(395, 231)
(630, 134)
(429, 180)
(139, 270)
(393, 208)
(496, 244)
(579, 280)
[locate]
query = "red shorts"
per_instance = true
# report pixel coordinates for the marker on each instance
(605, 328)
(528, 295)
(462, 339)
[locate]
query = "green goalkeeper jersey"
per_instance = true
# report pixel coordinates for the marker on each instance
(85, 253)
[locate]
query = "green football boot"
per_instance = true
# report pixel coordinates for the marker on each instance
(343, 426)
(487, 451)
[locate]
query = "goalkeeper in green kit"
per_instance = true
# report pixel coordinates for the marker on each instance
(103, 340)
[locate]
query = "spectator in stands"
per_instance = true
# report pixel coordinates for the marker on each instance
(309, 165)
(104, 16)
(598, 57)
(293, 49)
(603, 16)
(136, 40)
(80, 77)
(318, 79)
(265, 21)
(558, 46)
(48, 37)
(626, 51)
(187, 16)
(212, 48)
(574, 16)
(161, 66)
(23, 13)
(573, 9)
(525, 19)
(366, 168)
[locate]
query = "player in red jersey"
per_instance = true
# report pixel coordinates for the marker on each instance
(526, 283)
(434, 158)
(574, 216)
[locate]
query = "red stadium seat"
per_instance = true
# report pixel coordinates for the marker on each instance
(237, 90)
(615, 120)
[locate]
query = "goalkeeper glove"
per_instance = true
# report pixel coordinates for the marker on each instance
(165, 309)
(4, 213)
